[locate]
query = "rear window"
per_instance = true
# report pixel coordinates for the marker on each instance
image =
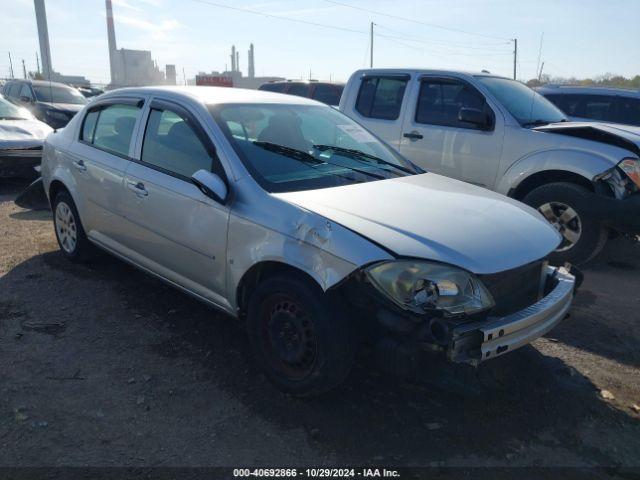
(381, 97)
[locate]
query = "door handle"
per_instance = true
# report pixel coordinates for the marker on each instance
(137, 188)
(79, 164)
(415, 135)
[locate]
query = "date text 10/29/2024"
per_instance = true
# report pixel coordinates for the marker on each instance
(316, 472)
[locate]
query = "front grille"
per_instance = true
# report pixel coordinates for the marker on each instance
(514, 289)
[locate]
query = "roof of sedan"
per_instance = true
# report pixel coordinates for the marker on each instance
(217, 95)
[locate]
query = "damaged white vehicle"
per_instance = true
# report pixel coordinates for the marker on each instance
(285, 213)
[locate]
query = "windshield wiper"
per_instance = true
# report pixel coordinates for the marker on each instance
(12, 118)
(359, 154)
(307, 158)
(301, 155)
(536, 123)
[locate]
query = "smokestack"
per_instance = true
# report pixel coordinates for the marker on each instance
(111, 36)
(43, 37)
(233, 58)
(251, 71)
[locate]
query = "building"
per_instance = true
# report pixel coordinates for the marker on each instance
(170, 74)
(131, 68)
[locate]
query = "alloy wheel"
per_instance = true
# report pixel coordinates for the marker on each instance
(66, 227)
(565, 220)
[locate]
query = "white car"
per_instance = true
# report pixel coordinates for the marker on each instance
(499, 134)
(283, 212)
(21, 139)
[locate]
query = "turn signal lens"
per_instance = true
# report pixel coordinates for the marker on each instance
(631, 167)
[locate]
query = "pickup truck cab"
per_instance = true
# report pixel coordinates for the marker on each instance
(499, 134)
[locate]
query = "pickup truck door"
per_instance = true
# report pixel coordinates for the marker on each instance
(381, 104)
(172, 227)
(434, 137)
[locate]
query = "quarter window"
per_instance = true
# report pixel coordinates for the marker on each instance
(89, 126)
(114, 128)
(440, 101)
(171, 144)
(381, 97)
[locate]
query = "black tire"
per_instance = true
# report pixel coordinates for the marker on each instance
(82, 249)
(593, 234)
(316, 352)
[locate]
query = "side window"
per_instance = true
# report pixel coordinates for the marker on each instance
(329, 94)
(114, 128)
(171, 144)
(89, 126)
(299, 89)
(13, 90)
(629, 110)
(596, 107)
(381, 97)
(25, 91)
(440, 101)
(273, 87)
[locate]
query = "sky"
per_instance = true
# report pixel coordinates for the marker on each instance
(329, 39)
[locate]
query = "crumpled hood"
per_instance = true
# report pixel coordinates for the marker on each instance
(433, 217)
(23, 133)
(623, 136)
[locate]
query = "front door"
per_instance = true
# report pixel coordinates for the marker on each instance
(435, 139)
(174, 229)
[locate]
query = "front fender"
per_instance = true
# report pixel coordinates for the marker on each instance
(268, 229)
(585, 164)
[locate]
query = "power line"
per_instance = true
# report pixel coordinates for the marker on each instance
(280, 17)
(474, 45)
(397, 17)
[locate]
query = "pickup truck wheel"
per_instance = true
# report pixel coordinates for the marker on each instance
(71, 237)
(299, 335)
(563, 205)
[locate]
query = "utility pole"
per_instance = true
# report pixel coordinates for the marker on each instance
(11, 65)
(24, 70)
(540, 74)
(38, 62)
(184, 77)
(371, 50)
(515, 56)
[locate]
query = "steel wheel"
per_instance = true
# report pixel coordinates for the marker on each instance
(288, 337)
(66, 228)
(565, 220)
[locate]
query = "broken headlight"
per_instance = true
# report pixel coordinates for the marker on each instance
(426, 286)
(631, 168)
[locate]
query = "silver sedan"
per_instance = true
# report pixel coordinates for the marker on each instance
(284, 213)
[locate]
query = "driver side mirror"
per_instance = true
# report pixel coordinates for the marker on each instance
(211, 185)
(25, 99)
(476, 117)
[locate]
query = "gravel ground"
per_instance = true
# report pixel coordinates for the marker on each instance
(101, 365)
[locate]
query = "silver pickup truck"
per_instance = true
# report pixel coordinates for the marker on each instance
(498, 133)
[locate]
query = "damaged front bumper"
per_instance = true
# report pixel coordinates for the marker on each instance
(479, 341)
(20, 162)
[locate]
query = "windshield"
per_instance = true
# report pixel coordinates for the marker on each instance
(527, 106)
(8, 111)
(302, 147)
(58, 94)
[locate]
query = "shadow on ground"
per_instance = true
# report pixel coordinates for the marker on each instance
(523, 407)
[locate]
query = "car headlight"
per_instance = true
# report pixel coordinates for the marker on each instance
(631, 168)
(422, 286)
(56, 115)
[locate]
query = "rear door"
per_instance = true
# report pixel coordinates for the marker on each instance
(380, 105)
(172, 228)
(98, 162)
(434, 138)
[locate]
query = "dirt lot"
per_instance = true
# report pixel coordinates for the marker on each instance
(101, 365)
